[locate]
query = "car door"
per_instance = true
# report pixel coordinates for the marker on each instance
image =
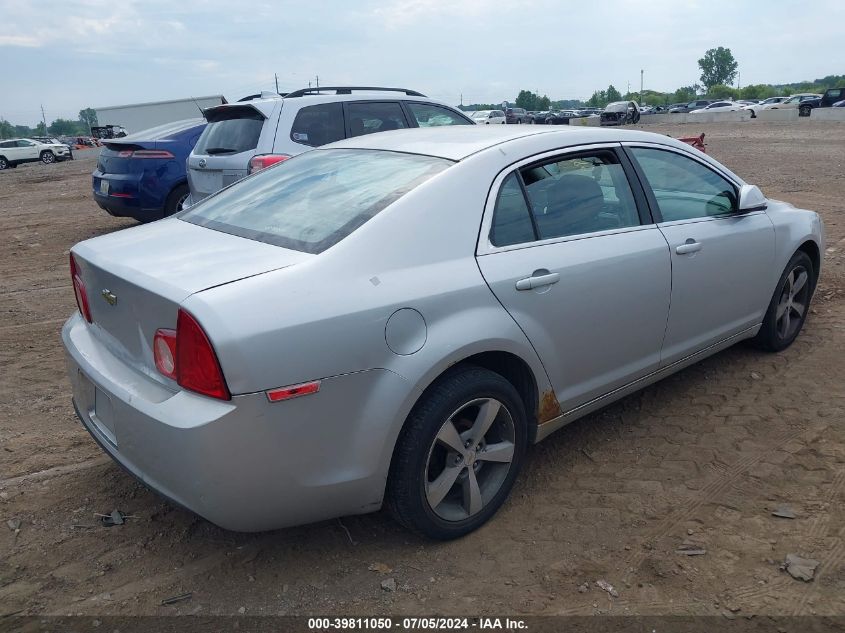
(721, 259)
(27, 150)
(569, 251)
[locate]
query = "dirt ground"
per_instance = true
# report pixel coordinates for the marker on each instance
(702, 457)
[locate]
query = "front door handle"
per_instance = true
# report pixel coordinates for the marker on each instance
(691, 246)
(536, 281)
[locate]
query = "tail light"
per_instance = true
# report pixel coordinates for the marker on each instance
(145, 153)
(187, 356)
(263, 161)
(79, 290)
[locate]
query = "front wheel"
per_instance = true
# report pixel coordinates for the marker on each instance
(48, 157)
(458, 455)
(4, 164)
(804, 111)
(789, 305)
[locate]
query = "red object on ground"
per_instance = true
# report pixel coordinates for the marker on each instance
(696, 141)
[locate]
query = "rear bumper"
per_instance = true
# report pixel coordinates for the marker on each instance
(124, 198)
(246, 464)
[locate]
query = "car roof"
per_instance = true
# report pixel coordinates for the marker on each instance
(460, 141)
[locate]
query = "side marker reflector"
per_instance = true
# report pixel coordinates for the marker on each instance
(293, 391)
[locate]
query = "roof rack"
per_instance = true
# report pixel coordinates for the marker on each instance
(346, 90)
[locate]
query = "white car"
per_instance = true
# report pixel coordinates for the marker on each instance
(488, 117)
(756, 107)
(719, 106)
(23, 150)
(792, 102)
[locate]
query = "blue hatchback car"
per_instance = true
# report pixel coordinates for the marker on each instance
(143, 175)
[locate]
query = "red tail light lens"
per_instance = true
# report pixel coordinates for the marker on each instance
(79, 290)
(263, 161)
(145, 153)
(197, 367)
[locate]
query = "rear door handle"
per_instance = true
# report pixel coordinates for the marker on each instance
(536, 281)
(691, 246)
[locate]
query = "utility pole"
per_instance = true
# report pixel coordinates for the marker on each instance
(318, 82)
(462, 98)
(276, 75)
(738, 80)
(44, 118)
(641, 87)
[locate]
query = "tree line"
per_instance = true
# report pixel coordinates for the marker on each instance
(59, 127)
(718, 68)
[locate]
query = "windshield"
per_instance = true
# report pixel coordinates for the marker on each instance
(480, 115)
(619, 106)
(316, 199)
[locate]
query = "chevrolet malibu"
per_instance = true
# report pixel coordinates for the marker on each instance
(394, 318)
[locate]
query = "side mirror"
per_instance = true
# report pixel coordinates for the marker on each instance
(751, 199)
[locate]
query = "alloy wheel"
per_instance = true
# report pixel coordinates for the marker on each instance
(47, 158)
(792, 306)
(469, 459)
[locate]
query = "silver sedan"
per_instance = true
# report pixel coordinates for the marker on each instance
(395, 318)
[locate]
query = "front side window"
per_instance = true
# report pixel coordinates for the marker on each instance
(318, 124)
(374, 116)
(684, 188)
(314, 200)
(584, 194)
(429, 115)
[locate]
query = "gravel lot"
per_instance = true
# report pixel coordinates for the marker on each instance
(703, 457)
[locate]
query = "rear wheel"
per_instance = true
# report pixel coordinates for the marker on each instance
(47, 157)
(789, 305)
(804, 110)
(4, 164)
(458, 455)
(176, 199)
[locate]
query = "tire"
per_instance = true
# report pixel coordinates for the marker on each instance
(449, 418)
(47, 157)
(4, 164)
(804, 111)
(753, 114)
(780, 330)
(175, 198)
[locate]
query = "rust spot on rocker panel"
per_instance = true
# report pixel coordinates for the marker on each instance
(549, 408)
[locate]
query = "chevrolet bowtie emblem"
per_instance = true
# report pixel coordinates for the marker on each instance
(109, 296)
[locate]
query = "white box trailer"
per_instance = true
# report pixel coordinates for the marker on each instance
(142, 116)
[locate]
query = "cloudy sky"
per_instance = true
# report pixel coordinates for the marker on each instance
(70, 54)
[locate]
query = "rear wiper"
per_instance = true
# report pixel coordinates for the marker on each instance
(220, 150)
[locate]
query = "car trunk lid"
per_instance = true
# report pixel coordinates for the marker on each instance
(136, 279)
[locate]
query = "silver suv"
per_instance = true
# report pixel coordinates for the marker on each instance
(262, 130)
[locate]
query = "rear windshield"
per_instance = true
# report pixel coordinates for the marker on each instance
(316, 199)
(231, 131)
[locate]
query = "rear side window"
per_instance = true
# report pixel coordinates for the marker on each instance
(374, 116)
(314, 200)
(511, 218)
(684, 188)
(583, 194)
(318, 125)
(232, 131)
(428, 115)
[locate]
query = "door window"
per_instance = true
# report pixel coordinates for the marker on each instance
(428, 115)
(511, 218)
(369, 117)
(318, 124)
(684, 188)
(582, 194)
